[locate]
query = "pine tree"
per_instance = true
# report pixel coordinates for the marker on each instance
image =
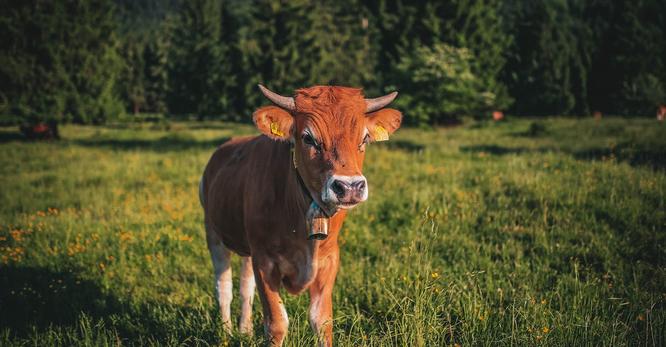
(61, 61)
(132, 83)
(639, 57)
(200, 74)
(548, 63)
(289, 45)
(156, 72)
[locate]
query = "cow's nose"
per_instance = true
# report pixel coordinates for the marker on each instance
(349, 189)
(358, 185)
(345, 191)
(340, 188)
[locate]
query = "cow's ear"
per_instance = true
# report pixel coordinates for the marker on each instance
(383, 123)
(274, 122)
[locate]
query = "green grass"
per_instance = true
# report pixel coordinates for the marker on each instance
(549, 232)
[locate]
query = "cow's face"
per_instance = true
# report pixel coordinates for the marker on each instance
(330, 128)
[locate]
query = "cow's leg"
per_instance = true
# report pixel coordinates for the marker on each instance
(276, 322)
(321, 301)
(247, 285)
(221, 257)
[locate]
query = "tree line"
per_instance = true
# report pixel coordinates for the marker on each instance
(90, 61)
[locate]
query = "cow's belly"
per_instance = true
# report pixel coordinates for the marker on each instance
(225, 214)
(223, 194)
(230, 230)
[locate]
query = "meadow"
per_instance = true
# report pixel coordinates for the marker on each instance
(524, 232)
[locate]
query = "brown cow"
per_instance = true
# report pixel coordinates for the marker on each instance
(661, 113)
(279, 199)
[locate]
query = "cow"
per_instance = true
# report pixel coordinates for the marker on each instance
(661, 113)
(278, 200)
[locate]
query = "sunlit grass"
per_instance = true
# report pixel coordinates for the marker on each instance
(517, 233)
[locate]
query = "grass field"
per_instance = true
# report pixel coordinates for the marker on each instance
(549, 232)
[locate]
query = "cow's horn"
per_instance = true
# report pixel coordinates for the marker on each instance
(285, 102)
(375, 104)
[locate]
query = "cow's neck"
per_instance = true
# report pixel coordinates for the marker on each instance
(317, 218)
(295, 175)
(306, 192)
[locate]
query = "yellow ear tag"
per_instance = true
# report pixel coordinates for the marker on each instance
(379, 133)
(275, 130)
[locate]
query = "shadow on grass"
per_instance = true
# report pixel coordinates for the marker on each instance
(535, 130)
(403, 145)
(11, 136)
(501, 150)
(36, 297)
(35, 300)
(638, 156)
(163, 144)
(653, 156)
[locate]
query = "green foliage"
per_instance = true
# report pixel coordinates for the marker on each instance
(475, 25)
(479, 26)
(132, 80)
(442, 84)
(643, 93)
(290, 45)
(484, 234)
(548, 63)
(156, 73)
(78, 60)
(60, 60)
(639, 53)
(200, 74)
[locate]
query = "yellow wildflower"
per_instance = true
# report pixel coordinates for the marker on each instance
(125, 236)
(185, 238)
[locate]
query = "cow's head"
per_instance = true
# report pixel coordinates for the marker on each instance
(329, 128)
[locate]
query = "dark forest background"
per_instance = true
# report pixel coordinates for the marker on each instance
(91, 61)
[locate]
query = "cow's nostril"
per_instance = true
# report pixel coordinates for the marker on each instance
(340, 188)
(359, 185)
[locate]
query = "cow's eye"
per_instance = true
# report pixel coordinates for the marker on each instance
(310, 141)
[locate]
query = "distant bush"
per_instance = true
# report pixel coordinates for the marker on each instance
(643, 93)
(536, 129)
(442, 85)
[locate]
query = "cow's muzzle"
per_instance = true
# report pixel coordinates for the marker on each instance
(345, 191)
